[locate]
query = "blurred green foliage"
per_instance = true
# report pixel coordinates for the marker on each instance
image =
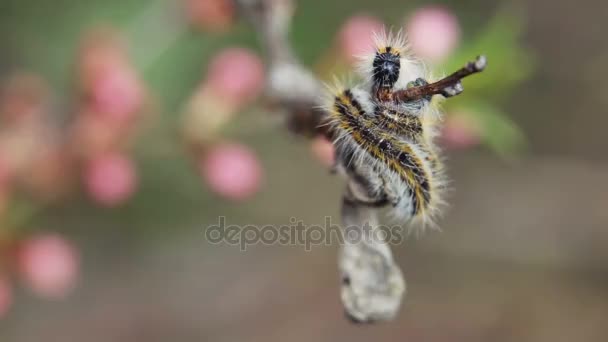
(509, 64)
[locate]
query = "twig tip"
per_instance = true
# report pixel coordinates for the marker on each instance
(481, 62)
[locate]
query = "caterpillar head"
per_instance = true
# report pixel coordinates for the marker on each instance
(390, 66)
(386, 67)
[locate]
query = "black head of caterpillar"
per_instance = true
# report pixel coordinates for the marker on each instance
(386, 67)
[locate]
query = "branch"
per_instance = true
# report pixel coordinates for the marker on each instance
(372, 283)
(291, 88)
(271, 19)
(448, 86)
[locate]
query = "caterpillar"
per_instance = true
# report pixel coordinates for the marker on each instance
(384, 130)
(386, 147)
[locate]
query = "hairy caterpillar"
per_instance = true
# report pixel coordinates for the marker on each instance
(384, 133)
(385, 146)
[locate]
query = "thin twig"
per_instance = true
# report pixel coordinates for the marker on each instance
(448, 86)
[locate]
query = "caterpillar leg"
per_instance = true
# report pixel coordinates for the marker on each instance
(417, 105)
(372, 284)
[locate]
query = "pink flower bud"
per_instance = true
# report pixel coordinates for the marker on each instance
(49, 265)
(6, 296)
(356, 37)
(110, 179)
(117, 94)
(236, 75)
(433, 33)
(460, 132)
(107, 78)
(232, 171)
(213, 15)
(323, 150)
(101, 50)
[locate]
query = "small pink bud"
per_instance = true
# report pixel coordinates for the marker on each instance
(213, 15)
(356, 37)
(107, 77)
(110, 179)
(6, 296)
(117, 94)
(101, 50)
(236, 75)
(323, 150)
(49, 265)
(460, 132)
(433, 33)
(232, 171)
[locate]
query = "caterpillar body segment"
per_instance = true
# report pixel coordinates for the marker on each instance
(387, 156)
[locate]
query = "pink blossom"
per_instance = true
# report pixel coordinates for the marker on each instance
(6, 296)
(117, 93)
(460, 132)
(214, 15)
(323, 150)
(101, 50)
(356, 37)
(232, 171)
(108, 78)
(110, 179)
(49, 265)
(236, 75)
(433, 33)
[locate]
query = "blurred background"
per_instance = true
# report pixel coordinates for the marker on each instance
(127, 127)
